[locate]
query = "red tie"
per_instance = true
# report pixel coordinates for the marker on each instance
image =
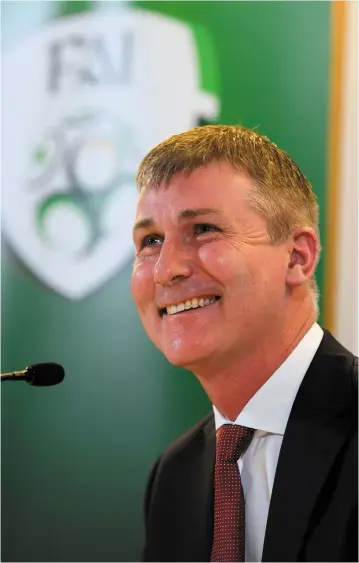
(229, 522)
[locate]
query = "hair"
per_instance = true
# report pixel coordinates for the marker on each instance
(281, 193)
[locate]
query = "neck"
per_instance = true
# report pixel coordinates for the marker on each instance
(231, 385)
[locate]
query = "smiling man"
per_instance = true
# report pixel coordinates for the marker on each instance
(227, 243)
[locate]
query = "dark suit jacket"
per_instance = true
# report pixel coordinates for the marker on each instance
(313, 510)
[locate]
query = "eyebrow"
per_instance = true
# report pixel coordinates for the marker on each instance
(184, 215)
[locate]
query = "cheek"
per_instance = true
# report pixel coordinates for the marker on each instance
(249, 269)
(222, 261)
(142, 284)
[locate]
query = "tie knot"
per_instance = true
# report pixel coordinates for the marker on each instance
(232, 441)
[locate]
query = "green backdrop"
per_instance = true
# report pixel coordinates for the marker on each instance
(75, 457)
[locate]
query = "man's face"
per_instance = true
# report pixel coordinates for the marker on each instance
(200, 245)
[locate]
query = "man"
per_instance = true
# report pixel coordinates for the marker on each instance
(227, 243)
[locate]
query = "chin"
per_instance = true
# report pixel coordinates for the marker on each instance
(184, 357)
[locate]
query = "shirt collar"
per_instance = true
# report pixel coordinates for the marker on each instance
(268, 410)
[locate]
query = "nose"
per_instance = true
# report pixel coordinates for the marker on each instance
(173, 264)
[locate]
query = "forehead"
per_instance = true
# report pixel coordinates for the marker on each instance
(217, 186)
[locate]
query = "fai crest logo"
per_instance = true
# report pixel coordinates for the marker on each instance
(84, 99)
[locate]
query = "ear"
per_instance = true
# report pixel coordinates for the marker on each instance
(303, 256)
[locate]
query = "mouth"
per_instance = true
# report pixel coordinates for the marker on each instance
(185, 306)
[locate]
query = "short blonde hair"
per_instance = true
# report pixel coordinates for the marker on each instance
(281, 193)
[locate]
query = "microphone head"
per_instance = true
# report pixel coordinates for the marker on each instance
(42, 375)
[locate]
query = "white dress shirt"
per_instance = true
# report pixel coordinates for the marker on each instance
(268, 412)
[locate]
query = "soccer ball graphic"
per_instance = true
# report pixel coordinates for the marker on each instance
(76, 172)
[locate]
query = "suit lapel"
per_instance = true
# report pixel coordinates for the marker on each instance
(317, 428)
(197, 496)
(206, 487)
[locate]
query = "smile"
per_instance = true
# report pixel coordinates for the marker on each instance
(187, 305)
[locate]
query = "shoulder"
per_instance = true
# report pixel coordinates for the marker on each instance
(330, 383)
(337, 365)
(190, 440)
(332, 347)
(342, 363)
(182, 454)
(187, 447)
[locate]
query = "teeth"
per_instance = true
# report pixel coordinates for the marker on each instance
(193, 304)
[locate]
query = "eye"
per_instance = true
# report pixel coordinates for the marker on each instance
(150, 240)
(202, 228)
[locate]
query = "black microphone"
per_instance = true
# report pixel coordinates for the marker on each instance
(40, 375)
